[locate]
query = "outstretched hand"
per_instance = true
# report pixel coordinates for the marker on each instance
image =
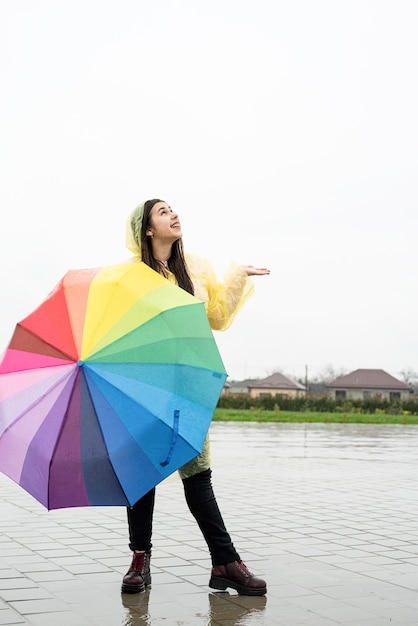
(255, 271)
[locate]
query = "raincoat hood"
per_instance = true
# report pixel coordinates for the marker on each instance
(133, 229)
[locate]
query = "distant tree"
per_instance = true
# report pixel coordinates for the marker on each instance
(329, 373)
(409, 376)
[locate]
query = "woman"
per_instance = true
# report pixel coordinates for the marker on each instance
(154, 235)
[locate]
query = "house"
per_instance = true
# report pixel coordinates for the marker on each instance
(369, 383)
(237, 386)
(270, 386)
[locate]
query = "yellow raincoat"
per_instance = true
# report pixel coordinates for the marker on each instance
(224, 299)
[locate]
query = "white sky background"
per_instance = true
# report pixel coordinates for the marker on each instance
(285, 133)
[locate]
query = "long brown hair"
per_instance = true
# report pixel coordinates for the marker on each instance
(176, 262)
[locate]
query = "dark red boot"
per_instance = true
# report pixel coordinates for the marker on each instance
(138, 577)
(237, 576)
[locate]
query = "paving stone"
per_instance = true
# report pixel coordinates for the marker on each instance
(331, 524)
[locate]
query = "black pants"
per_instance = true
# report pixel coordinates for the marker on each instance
(204, 508)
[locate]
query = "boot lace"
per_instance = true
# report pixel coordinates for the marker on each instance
(138, 561)
(244, 568)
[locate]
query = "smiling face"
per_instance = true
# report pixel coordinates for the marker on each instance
(163, 224)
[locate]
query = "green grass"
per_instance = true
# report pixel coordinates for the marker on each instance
(234, 415)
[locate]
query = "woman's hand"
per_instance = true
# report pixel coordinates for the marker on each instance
(250, 270)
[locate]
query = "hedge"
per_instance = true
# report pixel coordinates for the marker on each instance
(319, 403)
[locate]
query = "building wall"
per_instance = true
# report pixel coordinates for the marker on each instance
(292, 393)
(363, 394)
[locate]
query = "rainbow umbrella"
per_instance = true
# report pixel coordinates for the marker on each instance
(107, 388)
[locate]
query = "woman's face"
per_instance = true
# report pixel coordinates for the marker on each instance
(164, 224)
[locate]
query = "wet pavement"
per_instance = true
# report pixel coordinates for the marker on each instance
(328, 514)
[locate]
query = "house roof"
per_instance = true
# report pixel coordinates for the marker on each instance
(241, 383)
(275, 381)
(369, 379)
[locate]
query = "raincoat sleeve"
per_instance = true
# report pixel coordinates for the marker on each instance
(224, 299)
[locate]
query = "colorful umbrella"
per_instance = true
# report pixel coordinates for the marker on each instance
(107, 388)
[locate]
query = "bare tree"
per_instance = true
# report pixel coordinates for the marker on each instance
(409, 376)
(329, 373)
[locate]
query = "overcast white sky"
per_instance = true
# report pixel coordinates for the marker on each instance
(285, 133)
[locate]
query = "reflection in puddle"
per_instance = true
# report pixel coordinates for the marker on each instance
(223, 608)
(234, 610)
(137, 605)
